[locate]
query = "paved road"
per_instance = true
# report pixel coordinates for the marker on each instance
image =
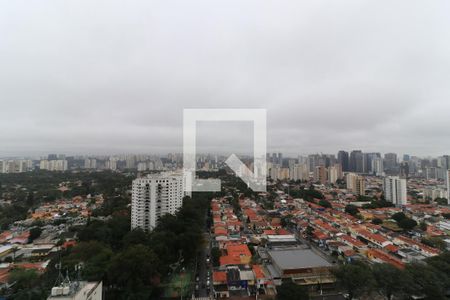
(203, 268)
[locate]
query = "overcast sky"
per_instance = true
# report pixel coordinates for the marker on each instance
(115, 76)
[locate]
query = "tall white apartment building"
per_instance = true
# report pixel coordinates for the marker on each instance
(395, 190)
(3, 166)
(377, 166)
(90, 163)
(299, 172)
(334, 173)
(15, 166)
(154, 196)
(53, 165)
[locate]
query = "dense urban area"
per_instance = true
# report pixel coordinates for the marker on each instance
(348, 226)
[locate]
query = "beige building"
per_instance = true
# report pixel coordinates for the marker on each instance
(334, 173)
(320, 174)
(356, 183)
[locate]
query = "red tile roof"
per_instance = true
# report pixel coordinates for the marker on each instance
(219, 276)
(258, 271)
(238, 250)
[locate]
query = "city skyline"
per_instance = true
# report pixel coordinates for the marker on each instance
(44, 154)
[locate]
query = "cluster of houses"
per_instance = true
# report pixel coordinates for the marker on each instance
(302, 240)
(19, 249)
(257, 252)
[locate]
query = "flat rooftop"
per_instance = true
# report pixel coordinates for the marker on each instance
(288, 259)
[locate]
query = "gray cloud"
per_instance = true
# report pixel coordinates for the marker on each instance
(114, 76)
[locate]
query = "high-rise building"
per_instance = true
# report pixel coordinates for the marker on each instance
(299, 172)
(404, 169)
(320, 174)
(316, 160)
(390, 161)
(432, 193)
(53, 165)
(154, 196)
(274, 158)
(395, 190)
(280, 158)
(356, 161)
(342, 158)
(446, 162)
(377, 166)
(52, 156)
(2, 166)
(356, 183)
(334, 173)
(368, 159)
(90, 163)
(111, 164)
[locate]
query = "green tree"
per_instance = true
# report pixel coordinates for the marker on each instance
(132, 272)
(427, 281)
(423, 226)
(135, 237)
(94, 255)
(215, 256)
(352, 210)
(23, 279)
(325, 203)
(442, 264)
(435, 242)
(441, 201)
(289, 290)
(407, 224)
(377, 221)
(356, 279)
(309, 231)
(35, 232)
(398, 216)
(390, 281)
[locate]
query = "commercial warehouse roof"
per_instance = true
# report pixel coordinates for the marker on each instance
(288, 259)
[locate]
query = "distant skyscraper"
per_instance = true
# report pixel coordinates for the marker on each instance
(299, 172)
(377, 166)
(395, 190)
(356, 161)
(390, 161)
(52, 156)
(90, 163)
(280, 158)
(444, 162)
(130, 162)
(404, 169)
(154, 196)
